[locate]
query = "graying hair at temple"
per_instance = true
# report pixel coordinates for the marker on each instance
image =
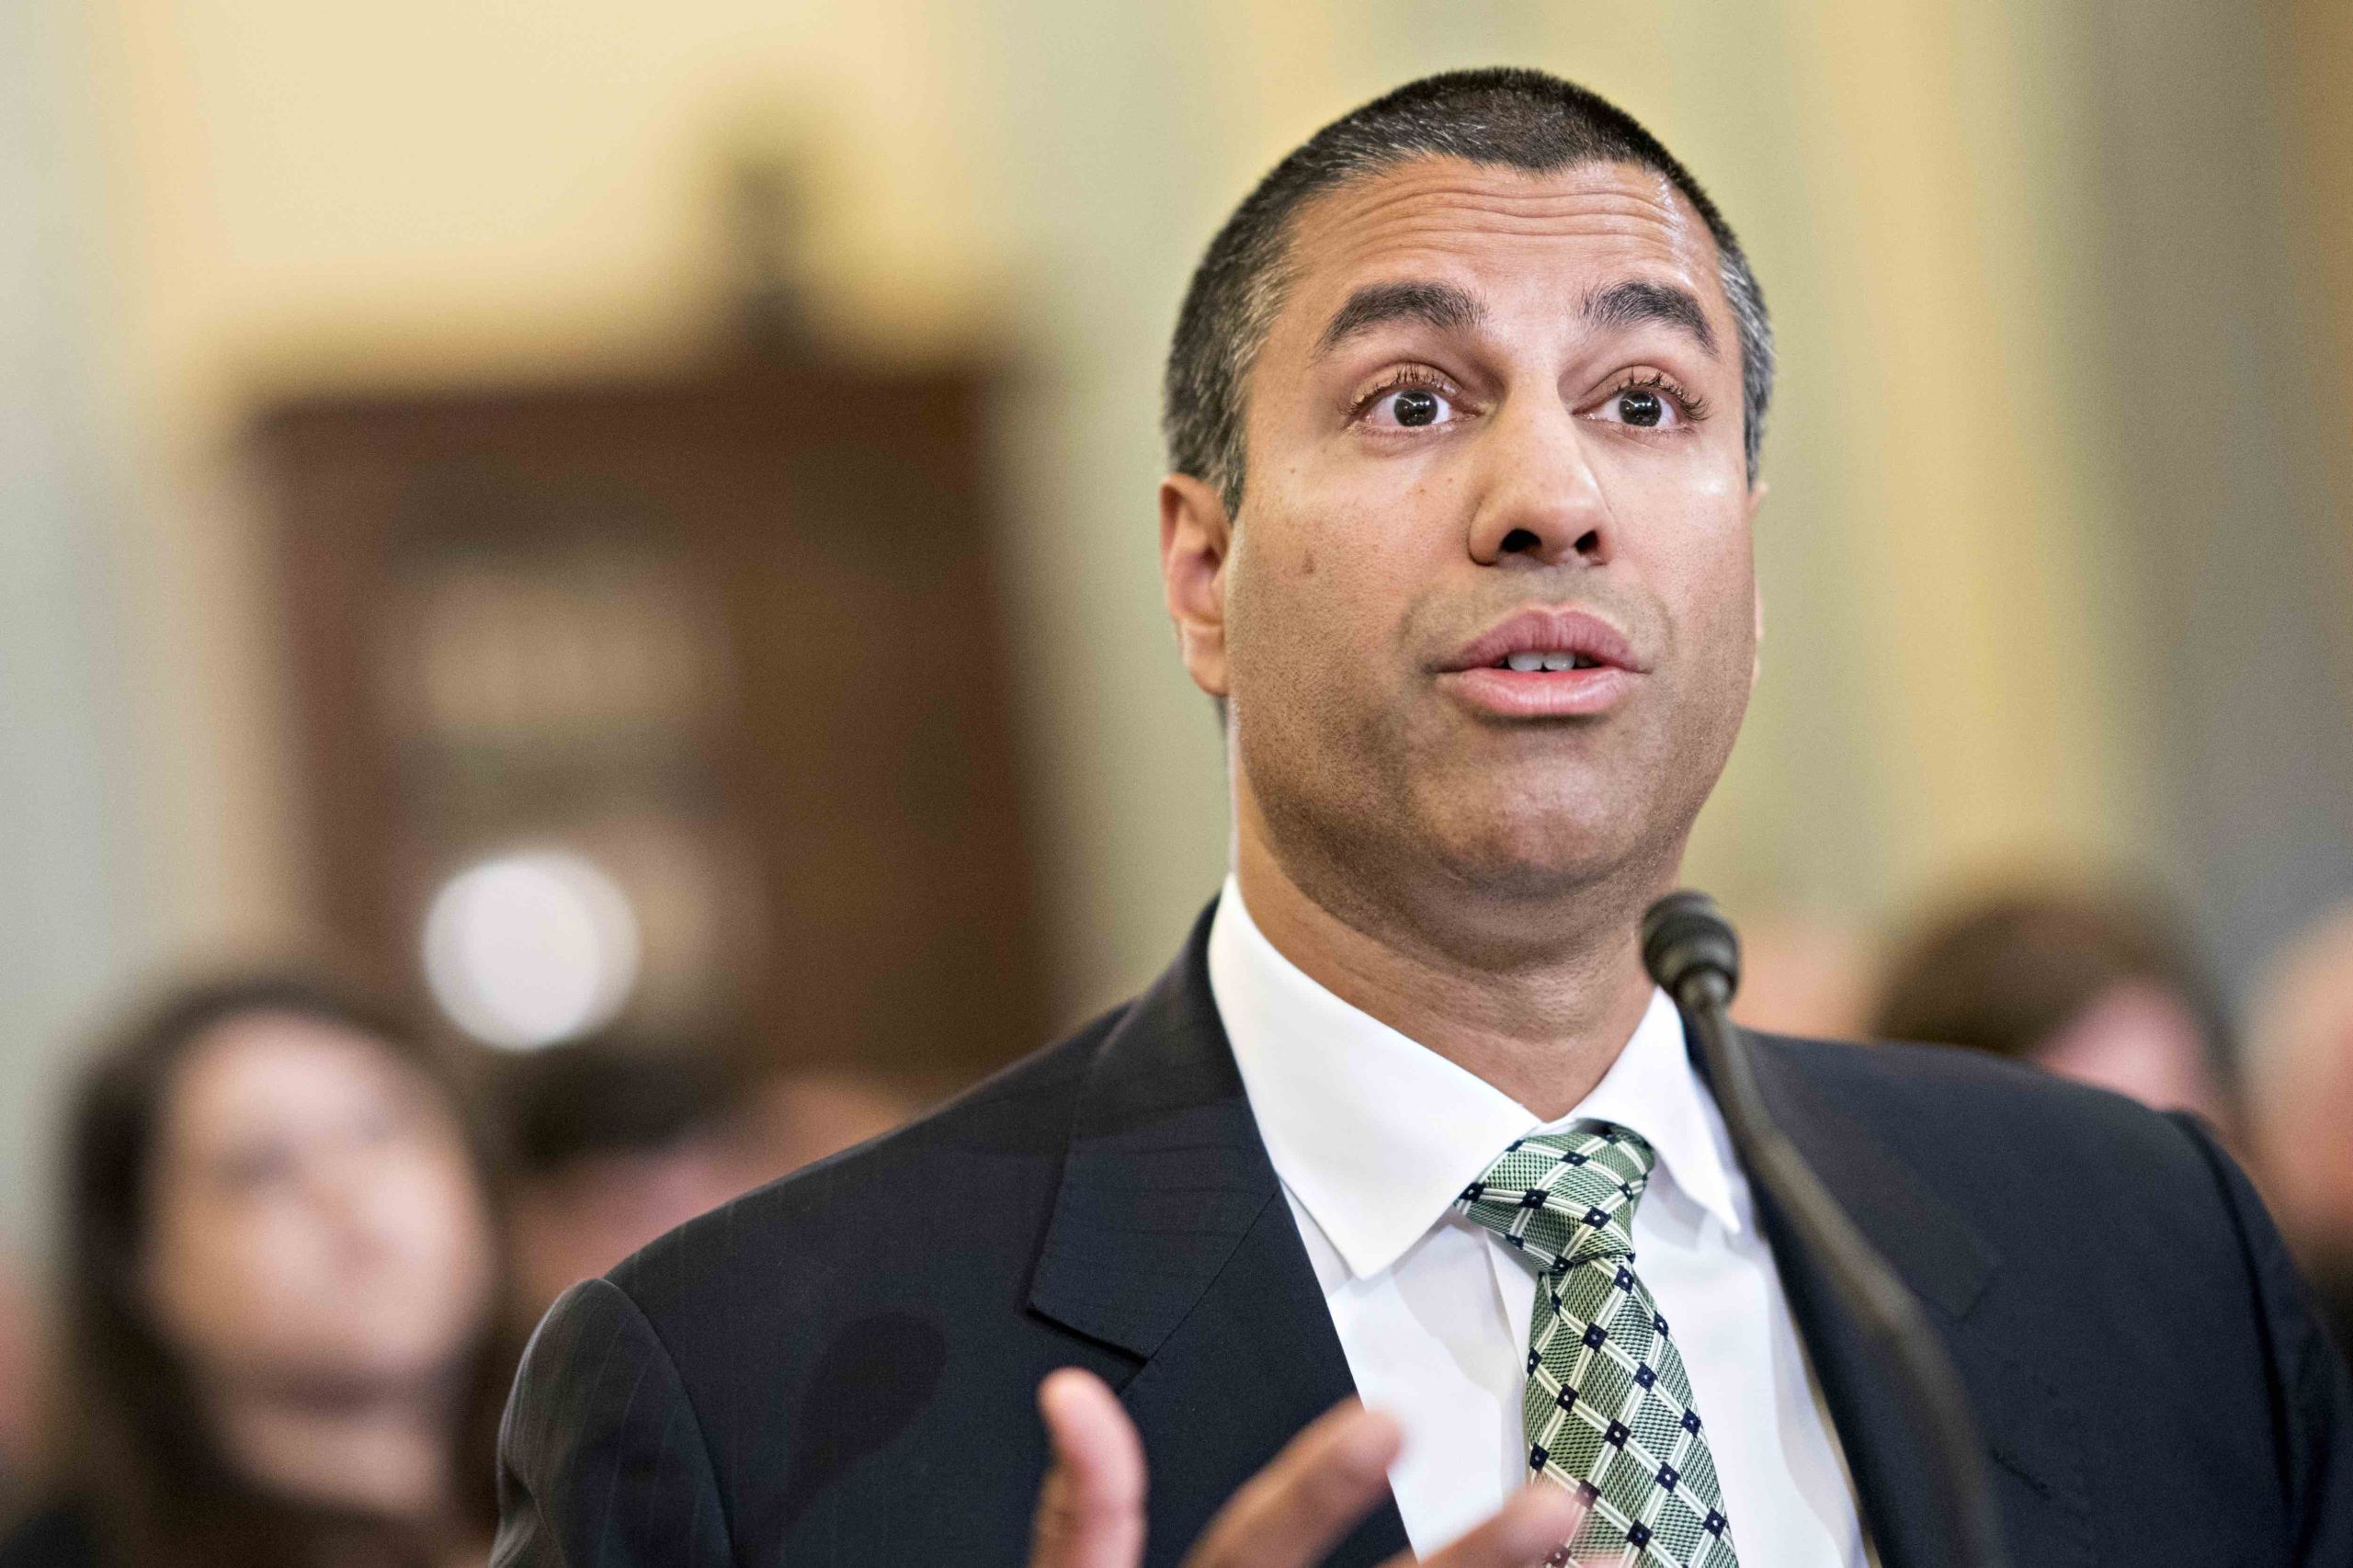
(1519, 119)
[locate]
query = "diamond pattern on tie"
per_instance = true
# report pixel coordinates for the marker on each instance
(1607, 1409)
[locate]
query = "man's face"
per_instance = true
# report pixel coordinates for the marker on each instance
(1497, 424)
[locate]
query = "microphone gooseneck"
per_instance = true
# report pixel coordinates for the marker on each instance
(1691, 953)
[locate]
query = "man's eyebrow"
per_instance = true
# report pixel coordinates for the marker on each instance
(1633, 303)
(1441, 305)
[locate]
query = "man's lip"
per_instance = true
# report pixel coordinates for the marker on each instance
(1540, 694)
(1547, 632)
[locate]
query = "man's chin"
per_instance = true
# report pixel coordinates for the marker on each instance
(1547, 826)
(1478, 846)
(1523, 863)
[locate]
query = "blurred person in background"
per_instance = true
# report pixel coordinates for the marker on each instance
(2101, 990)
(2300, 1104)
(279, 1292)
(617, 1140)
(613, 1141)
(798, 1119)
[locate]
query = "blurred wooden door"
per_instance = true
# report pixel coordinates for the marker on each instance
(738, 643)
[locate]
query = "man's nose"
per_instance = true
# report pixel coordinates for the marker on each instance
(1540, 500)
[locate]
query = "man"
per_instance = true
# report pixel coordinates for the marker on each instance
(1464, 409)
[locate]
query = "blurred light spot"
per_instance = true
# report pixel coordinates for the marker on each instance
(527, 948)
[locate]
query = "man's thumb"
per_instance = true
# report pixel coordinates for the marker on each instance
(1090, 1510)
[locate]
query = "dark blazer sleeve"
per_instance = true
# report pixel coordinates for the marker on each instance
(601, 1460)
(2311, 1391)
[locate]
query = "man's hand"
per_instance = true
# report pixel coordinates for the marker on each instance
(1090, 1511)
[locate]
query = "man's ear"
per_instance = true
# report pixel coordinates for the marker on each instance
(1196, 540)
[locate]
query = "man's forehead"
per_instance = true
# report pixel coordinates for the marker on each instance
(1453, 214)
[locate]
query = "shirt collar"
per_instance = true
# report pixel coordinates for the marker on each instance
(1377, 1136)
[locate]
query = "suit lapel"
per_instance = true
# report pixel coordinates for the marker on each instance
(1171, 1240)
(2027, 1425)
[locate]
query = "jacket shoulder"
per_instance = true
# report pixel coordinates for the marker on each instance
(2062, 1179)
(61, 1535)
(603, 1462)
(888, 1280)
(1004, 1138)
(1926, 1097)
(2108, 1214)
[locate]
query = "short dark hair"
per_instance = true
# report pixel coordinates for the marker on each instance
(1519, 119)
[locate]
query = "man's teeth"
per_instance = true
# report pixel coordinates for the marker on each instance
(1528, 664)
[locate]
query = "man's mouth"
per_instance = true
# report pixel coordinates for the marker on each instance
(1538, 641)
(1544, 664)
(1530, 661)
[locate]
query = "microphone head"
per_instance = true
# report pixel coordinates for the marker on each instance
(1686, 935)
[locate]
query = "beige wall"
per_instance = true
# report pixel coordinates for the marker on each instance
(2317, 90)
(304, 194)
(71, 903)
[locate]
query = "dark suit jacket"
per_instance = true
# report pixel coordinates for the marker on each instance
(840, 1369)
(59, 1536)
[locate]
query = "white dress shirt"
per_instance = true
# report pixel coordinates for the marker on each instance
(1375, 1136)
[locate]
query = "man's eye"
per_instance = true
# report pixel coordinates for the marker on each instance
(1645, 408)
(1638, 407)
(1411, 408)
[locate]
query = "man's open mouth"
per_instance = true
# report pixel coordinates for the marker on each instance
(1529, 662)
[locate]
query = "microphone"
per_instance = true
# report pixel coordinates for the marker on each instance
(1690, 951)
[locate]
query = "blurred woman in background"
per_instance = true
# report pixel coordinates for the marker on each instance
(2099, 988)
(281, 1289)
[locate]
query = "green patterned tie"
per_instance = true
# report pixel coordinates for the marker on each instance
(1607, 1411)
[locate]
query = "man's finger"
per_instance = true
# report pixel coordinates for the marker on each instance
(1291, 1513)
(1527, 1530)
(1090, 1510)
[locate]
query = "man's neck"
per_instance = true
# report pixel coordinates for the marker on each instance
(387, 1456)
(1543, 1030)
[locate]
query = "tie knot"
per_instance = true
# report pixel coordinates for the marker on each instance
(1565, 1197)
